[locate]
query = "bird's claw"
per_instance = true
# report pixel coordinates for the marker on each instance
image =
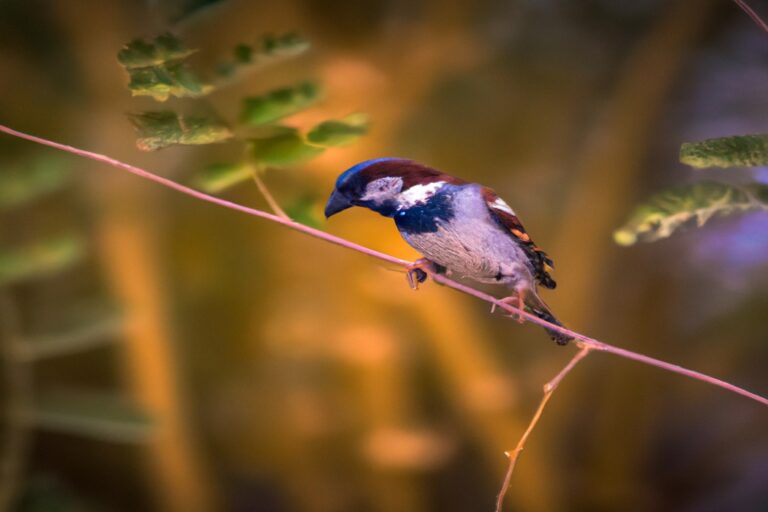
(418, 271)
(516, 301)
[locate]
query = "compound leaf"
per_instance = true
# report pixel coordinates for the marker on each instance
(279, 103)
(158, 69)
(221, 176)
(165, 48)
(305, 210)
(282, 150)
(286, 45)
(270, 49)
(21, 184)
(159, 129)
(667, 211)
(166, 80)
(339, 133)
(74, 340)
(40, 258)
(96, 415)
(736, 151)
(176, 11)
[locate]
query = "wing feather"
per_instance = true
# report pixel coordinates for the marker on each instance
(542, 264)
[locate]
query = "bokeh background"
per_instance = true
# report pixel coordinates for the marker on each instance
(164, 354)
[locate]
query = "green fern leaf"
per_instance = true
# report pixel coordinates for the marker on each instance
(669, 210)
(306, 210)
(158, 69)
(24, 183)
(96, 332)
(40, 258)
(737, 151)
(101, 416)
(163, 81)
(286, 45)
(282, 150)
(165, 48)
(221, 176)
(339, 133)
(160, 129)
(278, 104)
(271, 49)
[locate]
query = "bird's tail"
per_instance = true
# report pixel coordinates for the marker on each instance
(539, 308)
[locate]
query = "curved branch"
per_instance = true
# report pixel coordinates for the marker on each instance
(602, 346)
(752, 14)
(591, 342)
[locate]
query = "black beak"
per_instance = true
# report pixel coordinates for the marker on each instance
(336, 203)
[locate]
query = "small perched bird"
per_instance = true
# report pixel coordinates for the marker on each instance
(459, 227)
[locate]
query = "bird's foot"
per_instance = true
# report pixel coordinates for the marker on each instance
(418, 271)
(517, 301)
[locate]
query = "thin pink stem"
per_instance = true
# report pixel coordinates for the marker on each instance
(752, 14)
(273, 204)
(593, 343)
(205, 197)
(602, 346)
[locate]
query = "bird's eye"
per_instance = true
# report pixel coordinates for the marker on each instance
(382, 188)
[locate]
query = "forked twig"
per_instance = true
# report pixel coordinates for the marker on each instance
(273, 204)
(549, 389)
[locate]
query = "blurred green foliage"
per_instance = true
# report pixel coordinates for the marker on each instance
(23, 183)
(736, 151)
(165, 48)
(101, 328)
(159, 69)
(305, 210)
(220, 176)
(105, 416)
(30, 404)
(339, 133)
(282, 150)
(280, 103)
(160, 129)
(40, 257)
(665, 212)
(271, 49)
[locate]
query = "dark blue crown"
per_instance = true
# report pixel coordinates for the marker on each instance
(354, 170)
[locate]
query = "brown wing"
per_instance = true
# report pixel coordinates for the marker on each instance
(542, 264)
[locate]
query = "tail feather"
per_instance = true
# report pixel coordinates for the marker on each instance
(539, 308)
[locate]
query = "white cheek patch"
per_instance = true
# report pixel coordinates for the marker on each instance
(419, 193)
(499, 204)
(382, 189)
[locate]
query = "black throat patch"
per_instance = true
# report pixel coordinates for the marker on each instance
(424, 218)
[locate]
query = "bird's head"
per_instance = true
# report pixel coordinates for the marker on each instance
(385, 185)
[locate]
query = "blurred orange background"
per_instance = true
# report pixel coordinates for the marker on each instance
(205, 360)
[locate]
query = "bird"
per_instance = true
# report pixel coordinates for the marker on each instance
(459, 228)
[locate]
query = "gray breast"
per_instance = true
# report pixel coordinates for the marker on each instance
(472, 243)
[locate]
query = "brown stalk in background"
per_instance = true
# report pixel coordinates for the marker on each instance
(18, 382)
